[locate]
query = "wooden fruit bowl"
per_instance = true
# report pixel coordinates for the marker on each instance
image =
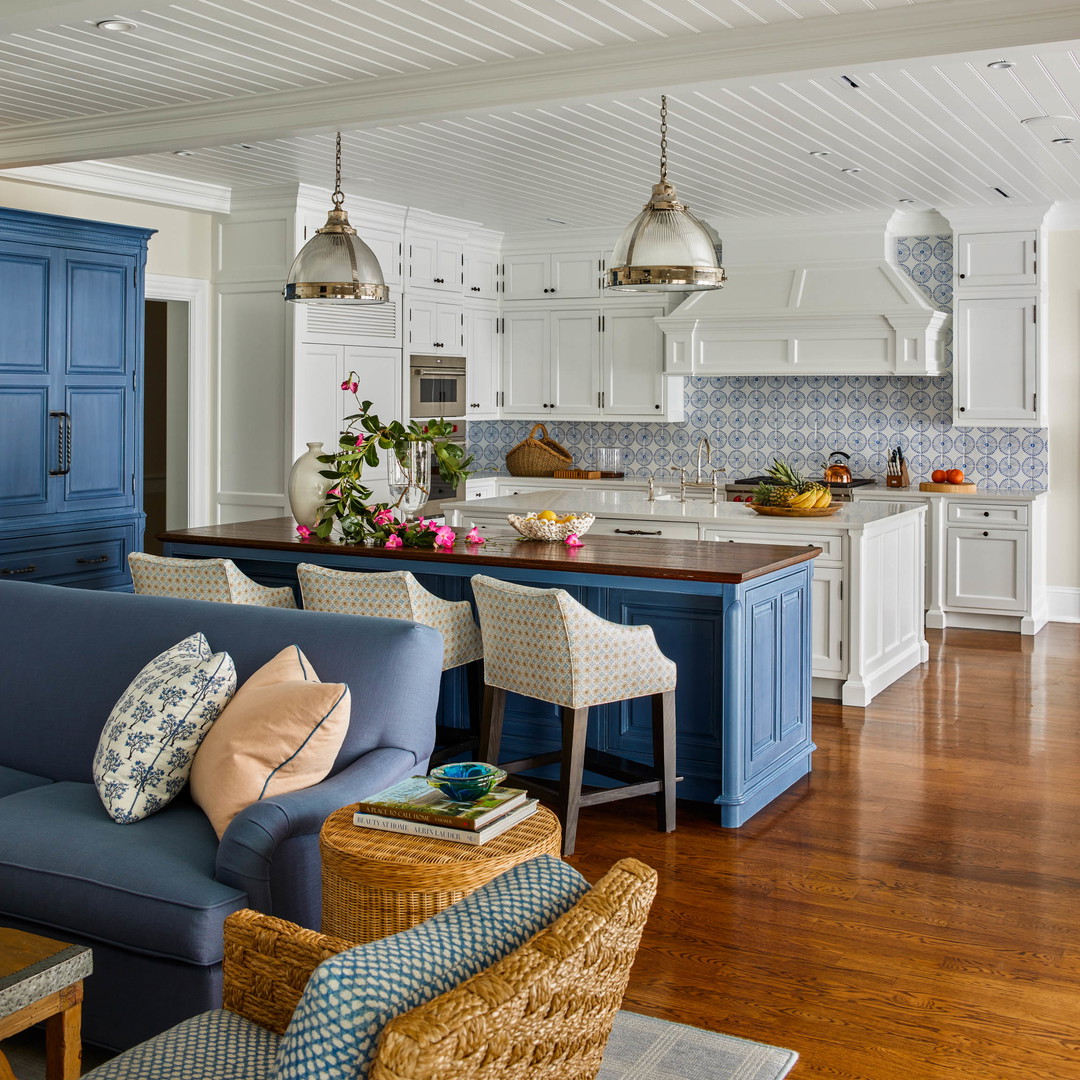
(786, 511)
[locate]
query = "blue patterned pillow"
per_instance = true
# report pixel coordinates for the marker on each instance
(351, 996)
(146, 748)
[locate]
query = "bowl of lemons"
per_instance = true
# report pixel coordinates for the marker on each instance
(551, 525)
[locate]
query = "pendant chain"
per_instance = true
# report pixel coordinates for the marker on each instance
(663, 139)
(338, 198)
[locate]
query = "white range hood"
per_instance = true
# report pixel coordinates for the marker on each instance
(810, 298)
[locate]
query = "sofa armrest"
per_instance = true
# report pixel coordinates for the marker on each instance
(267, 965)
(259, 833)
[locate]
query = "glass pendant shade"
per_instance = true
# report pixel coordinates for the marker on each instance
(665, 248)
(335, 266)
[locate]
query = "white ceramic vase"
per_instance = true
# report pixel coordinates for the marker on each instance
(307, 489)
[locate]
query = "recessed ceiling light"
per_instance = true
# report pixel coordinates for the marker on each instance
(905, 200)
(117, 26)
(819, 153)
(1064, 140)
(1000, 65)
(851, 170)
(183, 153)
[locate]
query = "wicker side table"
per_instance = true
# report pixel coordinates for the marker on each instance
(377, 883)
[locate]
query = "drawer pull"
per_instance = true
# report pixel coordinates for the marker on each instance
(24, 570)
(640, 532)
(96, 559)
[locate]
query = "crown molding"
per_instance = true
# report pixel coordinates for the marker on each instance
(106, 178)
(1063, 217)
(802, 45)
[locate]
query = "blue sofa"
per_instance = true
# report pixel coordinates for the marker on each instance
(151, 898)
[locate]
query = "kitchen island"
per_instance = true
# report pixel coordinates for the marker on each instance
(868, 583)
(736, 620)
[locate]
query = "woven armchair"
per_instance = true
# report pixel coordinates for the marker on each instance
(217, 580)
(543, 1012)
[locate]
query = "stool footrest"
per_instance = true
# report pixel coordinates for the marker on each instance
(451, 741)
(535, 762)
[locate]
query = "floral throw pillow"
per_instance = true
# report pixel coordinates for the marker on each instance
(146, 748)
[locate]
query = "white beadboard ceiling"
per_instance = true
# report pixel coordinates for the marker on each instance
(940, 129)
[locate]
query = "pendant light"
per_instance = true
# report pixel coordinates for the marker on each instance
(665, 248)
(335, 266)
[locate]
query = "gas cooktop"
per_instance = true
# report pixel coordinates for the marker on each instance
(753, 481)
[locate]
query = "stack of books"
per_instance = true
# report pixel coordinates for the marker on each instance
(414, 807)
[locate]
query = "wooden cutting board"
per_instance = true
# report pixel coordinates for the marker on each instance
(928, 485)
(577, 474)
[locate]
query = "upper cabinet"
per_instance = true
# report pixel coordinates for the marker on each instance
(435, 262)
(998, 325)
(481, 272)
(560, 276)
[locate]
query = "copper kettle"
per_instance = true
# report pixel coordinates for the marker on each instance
(836, 472)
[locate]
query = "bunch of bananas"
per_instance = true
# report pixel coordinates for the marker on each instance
(791, 490)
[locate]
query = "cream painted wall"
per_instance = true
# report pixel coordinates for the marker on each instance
(181, 247)
(1063, 326)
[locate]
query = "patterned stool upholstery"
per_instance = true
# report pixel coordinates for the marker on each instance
(398, 595)
(543, 644)
(218, 580)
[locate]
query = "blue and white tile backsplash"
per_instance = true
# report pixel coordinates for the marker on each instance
(748, 419)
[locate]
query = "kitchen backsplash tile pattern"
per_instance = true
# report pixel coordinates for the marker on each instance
(747, 420)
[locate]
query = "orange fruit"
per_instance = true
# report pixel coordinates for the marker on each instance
(955, 476)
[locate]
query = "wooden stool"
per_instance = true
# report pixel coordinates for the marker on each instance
(42, 979)
(545, 645)
(376, 883)
(398, 595)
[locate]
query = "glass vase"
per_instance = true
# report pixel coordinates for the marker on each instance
(409, 476)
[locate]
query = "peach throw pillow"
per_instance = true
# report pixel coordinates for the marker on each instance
(280, 732)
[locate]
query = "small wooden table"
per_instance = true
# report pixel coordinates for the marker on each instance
(42, 979)
(377, 883)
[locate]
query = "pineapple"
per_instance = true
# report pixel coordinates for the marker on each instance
(794, 490)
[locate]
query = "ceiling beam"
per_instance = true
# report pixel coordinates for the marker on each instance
(798, 46)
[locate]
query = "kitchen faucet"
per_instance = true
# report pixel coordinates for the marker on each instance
(703, 444)
(703, 447)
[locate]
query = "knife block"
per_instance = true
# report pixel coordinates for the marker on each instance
(901, 481)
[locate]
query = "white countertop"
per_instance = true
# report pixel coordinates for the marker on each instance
(1012, 494)
(605, 503)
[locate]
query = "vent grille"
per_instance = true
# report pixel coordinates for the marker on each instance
(376, 321)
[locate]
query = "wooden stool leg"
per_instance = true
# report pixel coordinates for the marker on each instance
(663, 739)
(491, 723)
(5, 1068)
(474, 688)
(63, 1040)
(575, 724)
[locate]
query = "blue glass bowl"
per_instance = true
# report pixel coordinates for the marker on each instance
(466, 781)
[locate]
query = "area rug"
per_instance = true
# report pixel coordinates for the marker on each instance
(640, 1048)
(645, 1048)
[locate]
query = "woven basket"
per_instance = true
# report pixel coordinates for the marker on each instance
(537, 457)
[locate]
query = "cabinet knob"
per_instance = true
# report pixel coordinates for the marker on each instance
(656, 406)
(961, 408)
(961, 276)
(547, 290)
(986, 513)
(986, 534)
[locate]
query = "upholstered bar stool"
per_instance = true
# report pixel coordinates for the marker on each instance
(543, 644)
(219, 580)
(398, 595)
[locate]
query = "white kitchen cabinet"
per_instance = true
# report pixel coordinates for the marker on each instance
(481, 273)
(827, 631)
(995, 358)
(586, 362)
(996, 258)
(435, 262)
(319, 404)
(482, 341)
(987, 569)
(565, 275)
(632, 349)
(377, 325)
(435, 327)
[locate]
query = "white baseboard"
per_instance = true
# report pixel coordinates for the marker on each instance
(1064, 604)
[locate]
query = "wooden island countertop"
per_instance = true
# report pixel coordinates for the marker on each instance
(639, 557)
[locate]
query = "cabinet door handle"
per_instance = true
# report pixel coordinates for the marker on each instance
(96, 559)
(474, 288)
(639, 532)
(24, 570)
(63, 444)
(439, 281)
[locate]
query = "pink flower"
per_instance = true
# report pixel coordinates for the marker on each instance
(422, 524)
(304, 531)
(354, 386)
(384, 516)
(445, 537)
(345, 385)
(393, 541)
(473, 536)
(573, 540)
(335, 491)
(359, 440)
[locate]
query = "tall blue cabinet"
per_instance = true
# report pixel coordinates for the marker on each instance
(71, 328)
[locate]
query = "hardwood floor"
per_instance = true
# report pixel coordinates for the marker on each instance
(910, 910)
